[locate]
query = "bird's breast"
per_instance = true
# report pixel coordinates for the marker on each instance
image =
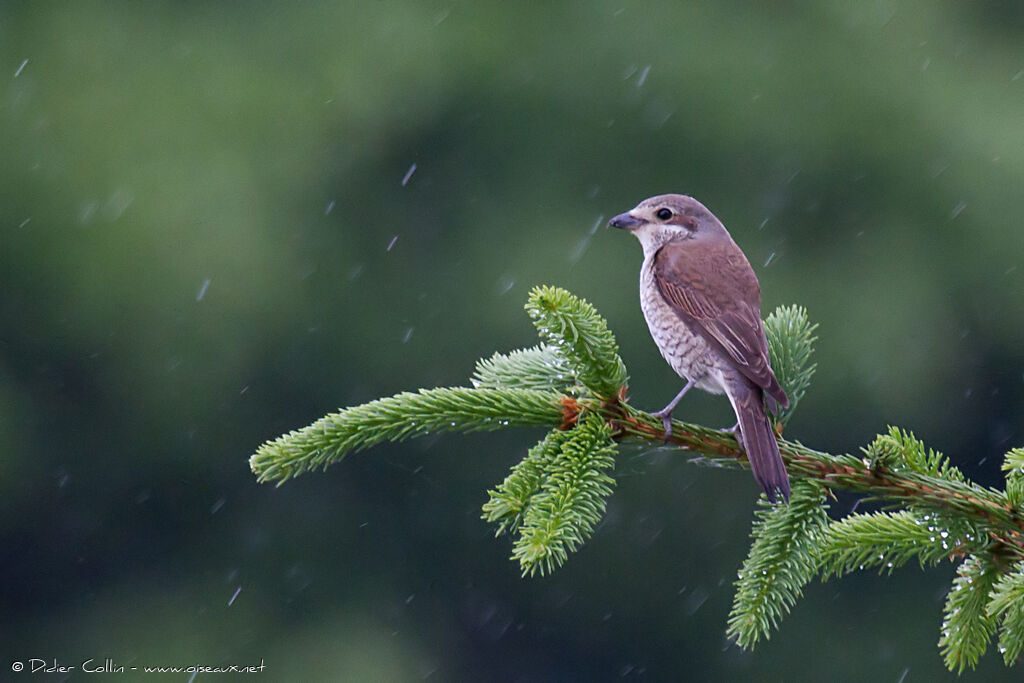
(685, 350)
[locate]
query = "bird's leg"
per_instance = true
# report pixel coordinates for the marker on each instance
(666, 413)
(735, 431)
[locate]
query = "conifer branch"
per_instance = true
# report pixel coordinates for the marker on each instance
(539, 367)
(1007, 605)
(562, 514)
(582, 336)
(574, 383)
(508, 501)
(1013, 466)
(886, 540)
(400, 417)
(791, 344)
(782, 560)
(967, 626)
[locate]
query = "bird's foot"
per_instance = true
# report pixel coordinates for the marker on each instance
(666, 421)
(666, 413)
(735, 431)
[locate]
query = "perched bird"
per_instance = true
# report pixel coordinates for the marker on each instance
(702, 303)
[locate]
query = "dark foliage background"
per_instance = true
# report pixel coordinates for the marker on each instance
(205, 241)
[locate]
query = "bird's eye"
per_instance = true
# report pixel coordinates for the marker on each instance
(663, 214)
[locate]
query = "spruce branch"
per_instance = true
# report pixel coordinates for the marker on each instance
(574, 383)
(508, 501)
(562, 515)
(397, 418)
(582, 336)
(967, 627)
(899, 449)
(783, 559)
(1013, 466)
(887, 540)
(790, 345)
(540, 367)
(1007, 605)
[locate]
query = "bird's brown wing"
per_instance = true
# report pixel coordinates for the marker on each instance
(712, 288)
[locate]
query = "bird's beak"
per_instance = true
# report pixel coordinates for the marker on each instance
(625, 221)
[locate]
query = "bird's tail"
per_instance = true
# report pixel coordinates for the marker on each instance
(758, 440)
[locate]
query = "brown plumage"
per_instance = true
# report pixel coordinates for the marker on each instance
(702, 302)
(725, 311)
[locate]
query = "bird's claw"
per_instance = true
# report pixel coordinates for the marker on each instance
(735, 431)
(666, 422)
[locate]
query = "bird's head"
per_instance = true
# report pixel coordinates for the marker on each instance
(667, 218)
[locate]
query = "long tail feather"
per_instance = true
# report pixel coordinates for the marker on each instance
(758, 440)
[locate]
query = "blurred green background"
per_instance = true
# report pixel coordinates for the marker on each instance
(206, 241)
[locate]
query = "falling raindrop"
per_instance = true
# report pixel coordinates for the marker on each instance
(504, 284)
(696, 600)
(937, 168)
(87, 211)
(657, 113)
(202, 289)
(232, 600)
(21, 68)
(407, 335)
(392, 243)
(643, 76)
(579, 249)
(117, 203)
(408, 175)
(329, 208)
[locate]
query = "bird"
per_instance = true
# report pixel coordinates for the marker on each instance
(702, 303)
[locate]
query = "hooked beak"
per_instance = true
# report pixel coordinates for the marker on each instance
(625, 221)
